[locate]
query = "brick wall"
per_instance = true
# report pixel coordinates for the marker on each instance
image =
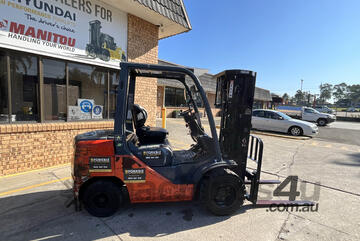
(160, 100)
(26, 147)
(143, 48)
(33, 146)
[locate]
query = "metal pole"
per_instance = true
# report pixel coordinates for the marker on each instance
(163, 115)
(41, 88)
(8, 70)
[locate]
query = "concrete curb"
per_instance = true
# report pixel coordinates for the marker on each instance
(278, 135)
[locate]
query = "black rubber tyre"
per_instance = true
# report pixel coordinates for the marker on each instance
(102, 198)
(222, 192)
(322, 122)
(296, 131)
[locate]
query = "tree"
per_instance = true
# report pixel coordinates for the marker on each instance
(325, 91)
(299, 97)
(285, 98)
(354, 93)
(340, 91)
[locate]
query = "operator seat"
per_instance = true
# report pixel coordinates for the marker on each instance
(146, 134)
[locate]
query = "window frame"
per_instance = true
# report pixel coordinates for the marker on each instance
(175, 90)
(41, 102)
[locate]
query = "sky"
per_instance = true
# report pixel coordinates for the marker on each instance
(284, 41)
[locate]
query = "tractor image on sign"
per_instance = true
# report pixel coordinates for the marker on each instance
(136, 163)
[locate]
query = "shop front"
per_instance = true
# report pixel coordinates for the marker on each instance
(59, 70)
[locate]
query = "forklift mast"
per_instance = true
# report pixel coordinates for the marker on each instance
(95, 27)
(235, 96)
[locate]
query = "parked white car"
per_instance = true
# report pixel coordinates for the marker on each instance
(324, 109)
(271, 120)
(307, 114)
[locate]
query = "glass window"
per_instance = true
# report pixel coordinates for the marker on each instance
(271, 115)
(88, 82)
(54, 89)
(24, 87)
(169, 96)
(307, 110)
(4, 102)
(259, 113)
(174, 97)
(180, 97)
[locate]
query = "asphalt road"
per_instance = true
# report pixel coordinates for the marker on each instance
(341, 132)
(338, 132)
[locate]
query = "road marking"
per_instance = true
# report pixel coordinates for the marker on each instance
(329, 146)
(36, 170)
(33, 186)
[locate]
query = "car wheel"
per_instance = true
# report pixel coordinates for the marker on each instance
(322, 122)
(296, 131)
(102, 198)
(222, 192)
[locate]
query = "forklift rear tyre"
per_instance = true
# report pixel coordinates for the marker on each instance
(102, 198)
(222, 192)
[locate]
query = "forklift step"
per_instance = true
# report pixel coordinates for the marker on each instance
(284, 202)
(265, 182)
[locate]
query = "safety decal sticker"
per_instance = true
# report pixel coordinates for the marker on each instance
(100, 164)
(136, 175)
(231, 89)
(150, 155)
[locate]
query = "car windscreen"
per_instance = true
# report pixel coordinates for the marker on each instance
(311, 110)
(286, 117)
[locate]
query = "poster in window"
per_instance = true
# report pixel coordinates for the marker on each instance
(97, 112)
(86, 105)
(91, 31)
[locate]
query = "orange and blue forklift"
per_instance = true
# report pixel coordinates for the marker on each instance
(136, 163)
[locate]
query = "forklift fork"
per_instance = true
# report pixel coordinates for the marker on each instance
(255, 154)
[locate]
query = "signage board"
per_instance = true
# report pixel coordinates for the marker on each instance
(97, 112)
(75, 114)
(86, 105)
(100, 164)
(88, 31)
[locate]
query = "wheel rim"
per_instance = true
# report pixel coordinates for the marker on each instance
(224, 195)
(295, 131)
(321, 122)
(101, 200)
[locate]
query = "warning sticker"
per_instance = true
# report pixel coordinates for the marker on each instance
(231, 89)
(134, 175)
(148, 155)
(100, 164)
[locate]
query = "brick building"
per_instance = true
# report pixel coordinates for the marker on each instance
(59, 65)
(171, 93)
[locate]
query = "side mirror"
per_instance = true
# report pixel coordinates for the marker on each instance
(281, 118)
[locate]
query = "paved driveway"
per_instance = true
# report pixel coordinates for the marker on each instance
(32, 205)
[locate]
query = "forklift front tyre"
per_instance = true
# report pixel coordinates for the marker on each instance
(222, 192)
(102, 198)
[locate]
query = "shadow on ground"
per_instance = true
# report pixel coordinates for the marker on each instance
(43, 215)
(353, 162)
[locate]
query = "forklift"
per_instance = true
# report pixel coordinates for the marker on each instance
(136, 163)
(101, 45)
